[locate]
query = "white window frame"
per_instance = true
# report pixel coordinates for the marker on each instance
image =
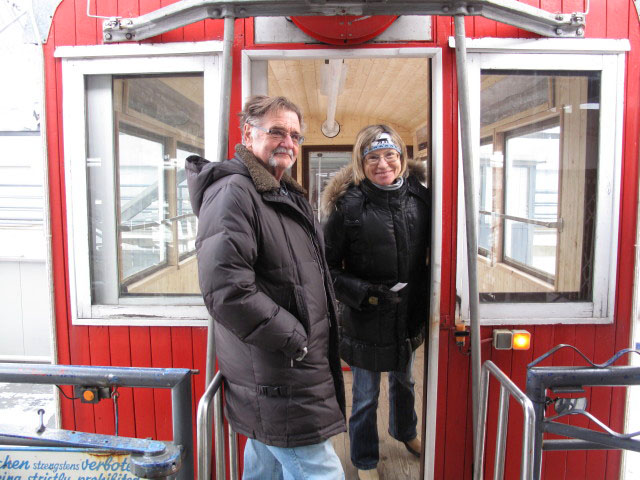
(607, 57)
(78, 64)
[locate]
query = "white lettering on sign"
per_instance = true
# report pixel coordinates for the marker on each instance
(63, 464)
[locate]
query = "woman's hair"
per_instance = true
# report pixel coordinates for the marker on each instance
(364, 139)
(259, 106)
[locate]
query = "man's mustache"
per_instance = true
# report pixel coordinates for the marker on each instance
(284, 150)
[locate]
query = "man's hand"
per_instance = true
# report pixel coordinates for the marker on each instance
(301, 354)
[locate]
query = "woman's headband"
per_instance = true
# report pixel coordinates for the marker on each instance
(383, 140)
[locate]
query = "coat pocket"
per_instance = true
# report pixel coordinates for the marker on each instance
(301, 308)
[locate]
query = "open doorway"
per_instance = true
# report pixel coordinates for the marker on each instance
(340, 92)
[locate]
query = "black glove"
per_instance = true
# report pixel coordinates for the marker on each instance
(380, 295)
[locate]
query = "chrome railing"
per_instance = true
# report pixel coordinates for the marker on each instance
(507, 388)
(213, 394)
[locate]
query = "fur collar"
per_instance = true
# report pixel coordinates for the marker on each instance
(262, 178)
(341, 182)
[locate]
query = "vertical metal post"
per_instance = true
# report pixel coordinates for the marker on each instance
(218, 430)
(233, 454)
(527, 444)
(204, 431)
(211, 352)
(470, 208)
(501, 434)
(225, 88)
(221, 156)
(481, 427)
(536, 393)
(182, 415)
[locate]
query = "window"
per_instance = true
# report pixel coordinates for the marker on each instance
(132, 229)
(320, 164)
(547, 186)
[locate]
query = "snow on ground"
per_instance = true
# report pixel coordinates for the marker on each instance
(19, 404)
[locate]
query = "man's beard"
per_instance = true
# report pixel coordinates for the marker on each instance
(272, 159)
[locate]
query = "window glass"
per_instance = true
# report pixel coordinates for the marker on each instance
(531, 184)
(542, 200)
(186, 221)
(323, 165)
(147, 249)
(485, 202)
(142, 202)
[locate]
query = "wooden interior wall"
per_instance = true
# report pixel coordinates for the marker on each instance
(146, 413)
(569, 93)
(180, 278)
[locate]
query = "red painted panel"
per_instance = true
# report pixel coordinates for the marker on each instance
(86, 27)
(182, 350)
(127, 8)
(199, 361)
(161, 357)
(596, 20)
(143, 398)
(585, 342)
(456, 421)
(502, 359)
(519, 362)
(563, 334)
(101, 356)
(600, 400)
(541, 343)
(618, 18)
(483, 27)
(120, 347)
(443, 394)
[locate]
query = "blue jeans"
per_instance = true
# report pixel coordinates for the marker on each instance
(311, 462)
(363, 431)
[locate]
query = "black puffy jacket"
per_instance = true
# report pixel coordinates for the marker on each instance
(379, 237)
(266, 283)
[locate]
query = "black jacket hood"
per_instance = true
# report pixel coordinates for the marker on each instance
(202, 173)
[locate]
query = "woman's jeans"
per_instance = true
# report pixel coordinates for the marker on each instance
(311, 462)
(363, 431)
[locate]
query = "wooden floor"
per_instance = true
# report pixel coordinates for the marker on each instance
(396, 463)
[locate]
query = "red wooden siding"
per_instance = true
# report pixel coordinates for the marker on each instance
(146, 413)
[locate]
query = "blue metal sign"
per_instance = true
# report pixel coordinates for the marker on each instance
(53, 463)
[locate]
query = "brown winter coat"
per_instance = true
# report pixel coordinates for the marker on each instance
(266, 283)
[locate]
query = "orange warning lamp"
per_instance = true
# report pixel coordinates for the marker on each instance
(88, 396)
(521, 340)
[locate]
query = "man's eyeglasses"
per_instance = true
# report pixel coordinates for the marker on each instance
(281, 134)
(389, 157)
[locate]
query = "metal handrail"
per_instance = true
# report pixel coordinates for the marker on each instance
(507, 387)
(557, 224)
(204, 428)
(176, 379)
(167, 221)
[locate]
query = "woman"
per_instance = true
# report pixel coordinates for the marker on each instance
(377, 236)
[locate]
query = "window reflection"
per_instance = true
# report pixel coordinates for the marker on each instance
(323, 165)
(536, 212)
(142, 202)
(143, 228)
(532, 176)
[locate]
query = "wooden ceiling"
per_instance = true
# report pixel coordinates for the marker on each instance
(395, 91)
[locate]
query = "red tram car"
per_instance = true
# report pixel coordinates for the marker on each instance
(554, 127)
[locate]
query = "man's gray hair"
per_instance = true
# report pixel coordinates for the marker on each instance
(258, 106)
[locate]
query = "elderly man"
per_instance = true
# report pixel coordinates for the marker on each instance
(266, 283)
